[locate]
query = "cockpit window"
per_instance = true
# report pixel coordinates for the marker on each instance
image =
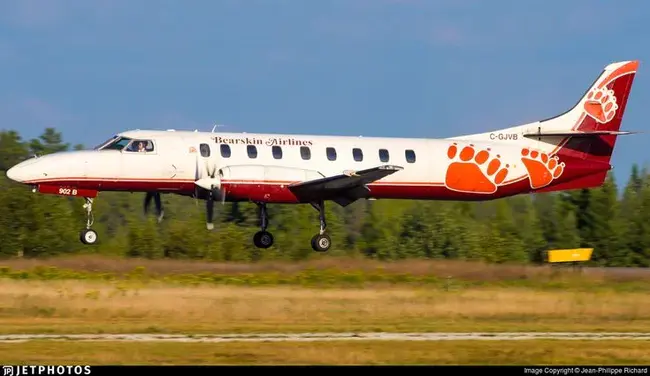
(106, 143)
(140, 146)
(115, 143)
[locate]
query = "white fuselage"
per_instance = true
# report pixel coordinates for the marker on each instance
(176, 159)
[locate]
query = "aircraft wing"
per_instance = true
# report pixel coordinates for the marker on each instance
(343, 189)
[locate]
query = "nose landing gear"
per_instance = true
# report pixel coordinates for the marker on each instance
(87, 235)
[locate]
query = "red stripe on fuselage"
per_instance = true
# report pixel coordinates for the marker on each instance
(278, 191)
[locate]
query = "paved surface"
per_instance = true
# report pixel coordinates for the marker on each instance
(276, 337)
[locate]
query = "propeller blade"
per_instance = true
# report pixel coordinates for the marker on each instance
(197, 170)
(205, 179)
(209, 207)
(157, 201)
(210, 168)
(147, 201)
(159, 206)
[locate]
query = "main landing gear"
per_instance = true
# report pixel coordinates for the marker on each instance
(321, 242)
(263, 238)
(88, 236)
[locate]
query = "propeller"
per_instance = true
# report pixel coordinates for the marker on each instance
(207, 180)
(159, 207)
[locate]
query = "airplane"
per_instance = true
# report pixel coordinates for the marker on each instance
(568, 151)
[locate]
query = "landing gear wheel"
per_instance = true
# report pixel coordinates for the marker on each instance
(88, 236)
(263, 239)
(321, 243)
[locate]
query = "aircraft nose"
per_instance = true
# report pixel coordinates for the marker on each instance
(13, 174)
(21, 172)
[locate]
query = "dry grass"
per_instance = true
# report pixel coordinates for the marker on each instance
(102, 307)
(455, 352)
(465, 270)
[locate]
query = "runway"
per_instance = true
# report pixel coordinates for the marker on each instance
(312, 337)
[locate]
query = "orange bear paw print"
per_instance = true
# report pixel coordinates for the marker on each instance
(474, 171)
(542, 169)
(601, 104)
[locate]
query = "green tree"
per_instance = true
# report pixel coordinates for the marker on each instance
(49, 142)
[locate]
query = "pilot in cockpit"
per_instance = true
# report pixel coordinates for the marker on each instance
(140, 146)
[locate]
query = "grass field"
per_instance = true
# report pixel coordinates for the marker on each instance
(92, 294)
(328, 271)
(154, 307)
(389, 352)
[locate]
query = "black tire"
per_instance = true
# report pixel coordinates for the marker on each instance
(88, 236)
(321, 243)
(263, 239)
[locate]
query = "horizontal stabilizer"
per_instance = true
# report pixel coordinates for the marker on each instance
(577, 133)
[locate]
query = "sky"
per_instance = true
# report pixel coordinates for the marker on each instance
(402, 68)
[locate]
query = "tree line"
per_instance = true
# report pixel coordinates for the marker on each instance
(515, 229)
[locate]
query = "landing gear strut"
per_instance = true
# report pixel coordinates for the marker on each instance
(263, 238)
(321, 242)
(88, 236)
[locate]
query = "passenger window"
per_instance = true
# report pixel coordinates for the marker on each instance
(410, 156)
(225, 150)
(205, 150)
(305, 153)
(141, 146)
(277, 152)
(357, 154)
(383, 155)
(252, 151)
(331, 154)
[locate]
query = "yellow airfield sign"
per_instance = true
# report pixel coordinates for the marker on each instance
(570, 255)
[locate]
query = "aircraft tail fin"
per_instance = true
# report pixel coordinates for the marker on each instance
(589, 130)
(586, 131)
(582, 137)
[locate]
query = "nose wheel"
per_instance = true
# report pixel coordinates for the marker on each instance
(263, 239)
(88, 235)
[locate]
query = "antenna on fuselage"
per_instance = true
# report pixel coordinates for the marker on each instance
(217, 126)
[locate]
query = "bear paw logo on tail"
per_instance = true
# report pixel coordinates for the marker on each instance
(601, 105)
(542, 169)
(474, 172)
